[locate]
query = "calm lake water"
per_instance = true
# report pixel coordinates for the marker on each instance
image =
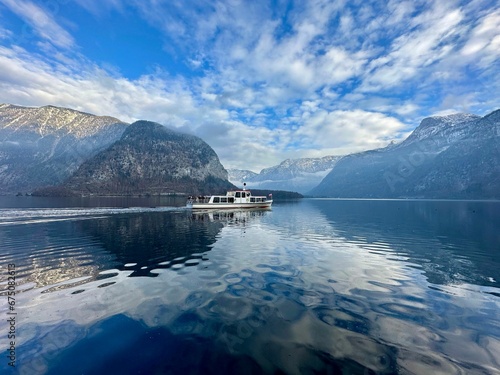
(309, 287)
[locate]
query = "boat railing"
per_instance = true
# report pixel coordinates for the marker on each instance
(200, 199)
(258, 199)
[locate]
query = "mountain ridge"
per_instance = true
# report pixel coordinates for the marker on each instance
(50, 119)
(42, 146)
(151, 158)
(451, 156)
(444, 157)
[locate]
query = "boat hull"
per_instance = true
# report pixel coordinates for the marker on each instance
(219, 206)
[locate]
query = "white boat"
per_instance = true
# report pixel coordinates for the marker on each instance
(232, 199)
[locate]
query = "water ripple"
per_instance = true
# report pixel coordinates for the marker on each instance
(314, 287)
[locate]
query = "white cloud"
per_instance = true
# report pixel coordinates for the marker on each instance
(308, 78)
(28, 80)
(484, 41)
(429, 39)
(42, 22)
(350, 131)
(4, 33)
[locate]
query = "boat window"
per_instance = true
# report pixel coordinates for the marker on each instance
(252, 199)
(231, 200)
(248, 193)
(238, 194)
(223, 200)
(216, 199)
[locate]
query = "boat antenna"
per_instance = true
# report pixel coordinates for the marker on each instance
(244, 185)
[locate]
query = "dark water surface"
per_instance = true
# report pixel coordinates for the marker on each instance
(310, 287)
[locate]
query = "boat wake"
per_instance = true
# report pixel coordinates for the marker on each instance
(44, 215)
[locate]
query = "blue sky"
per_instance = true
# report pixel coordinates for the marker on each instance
(260, 81)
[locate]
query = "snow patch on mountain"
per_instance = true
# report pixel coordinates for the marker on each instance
(53, 120)
(441, 126)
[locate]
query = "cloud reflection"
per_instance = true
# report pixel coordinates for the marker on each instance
(304, 287)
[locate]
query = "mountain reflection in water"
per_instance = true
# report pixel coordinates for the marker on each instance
(315, 286)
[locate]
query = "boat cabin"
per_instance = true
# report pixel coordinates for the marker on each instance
(238, 196)
(232, 199)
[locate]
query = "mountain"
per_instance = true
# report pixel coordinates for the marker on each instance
(150, 158)
(299, 175)
(455, 156)
(44, 146)
(239, 176)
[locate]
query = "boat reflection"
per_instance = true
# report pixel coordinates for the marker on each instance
(231, 217)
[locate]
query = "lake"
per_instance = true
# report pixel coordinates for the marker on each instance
(314, 286)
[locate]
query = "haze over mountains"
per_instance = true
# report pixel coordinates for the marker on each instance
(300, 175)
(455, 156)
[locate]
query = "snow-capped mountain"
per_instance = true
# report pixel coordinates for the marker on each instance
(239, 176)
(444, 129)
(152, 158)
(455, 156)
(50, 120)
(299, 175)
(43, 146)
